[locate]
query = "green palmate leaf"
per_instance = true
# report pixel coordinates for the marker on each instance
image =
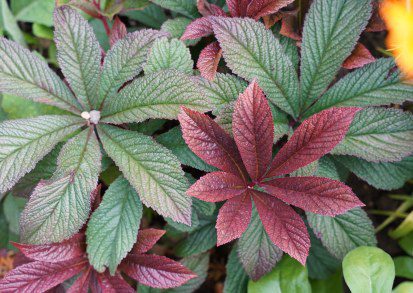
(320, 263)
(331, 30)
(224, 117)
(148, 127)
(44, 170)
(38, 11)
(124, 61)
(385, 175)
(379, 135)
(113, 227)
(289, 46)
(256, 252)
(202, 207)
(9, 23)
(174, 141)
(26, 75)
(157, 95)
(58, 208)
(25, 142)
(176, 28)
(167, 54)
(184, 7)
(342, 233)
(236, 279)
(327, 167)
(225, 88)
(152, 16)
(368, 269)
(79, 54)
(262, 58)
(12, 208)
(368, 86)
(151, 169)
(199, 240)
(288, 276)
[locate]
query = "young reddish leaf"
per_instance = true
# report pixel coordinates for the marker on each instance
(314, 138)
(210, 142)
(207, 9)
(208, 60)
(318, 195)
(283, 225)
(238, 8)
(117, 32)
(217, 186)
(253, 129)
(233, 218)
(113, 284)
(200, 27)
(81, 285)
(287, 27)
(40, 276)
(146, 240)
(95, 197)
(156, 271)
(259, 8)
(55, 252)
(359, 57)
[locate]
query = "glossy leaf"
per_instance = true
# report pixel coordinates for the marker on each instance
(152, 170)
(59, 207)
(25, 142)
(112, 228)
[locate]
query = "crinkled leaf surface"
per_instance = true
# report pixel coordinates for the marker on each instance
(208, 60)
(342, 233)
(236, 279)
(113, 227)
(379, 135)
(258, 255)
(24, 74)
(156, 95)
(331, 30)
(125, 60)
(78, 54)
(176, 27)
(370, 85)
(169, 54)
(59, 207)
(25, 142)
(151, 169)
(262, 58)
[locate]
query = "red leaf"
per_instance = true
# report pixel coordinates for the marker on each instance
(210, 142)
(146, 240)
(283, 225)
(156, 271)
(207, 9)
(314, 138)
(233, 218)
(376, 23)
(358, 58)
(217, 186)
(288, 27)
(118, 31)
(200, 27)
(95, 198)
(56, 252)
(81, 285)
(318, 195)
(114, 284)
(40, 276)
(208, 60)
(253, 129)
(259, 8)
(238, 8)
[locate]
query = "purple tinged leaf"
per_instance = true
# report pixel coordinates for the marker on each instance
(114, 284)
(200, 27)
(233, 218)
(318, 195)
(207, 9)
(314, 138)
(208, 60)
(217, 186)
(156, 271)
(238, 8)
(259, 8)
(253, 129)
(146, 240)
(210, 142)
(81, 285)
(40, 276)
(55, 252)
(283, 225)
(117, 32)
